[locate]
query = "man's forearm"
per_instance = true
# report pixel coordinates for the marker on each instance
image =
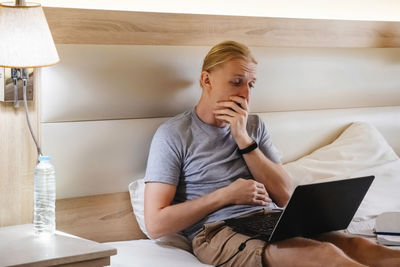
(272, 175)
(174, 218)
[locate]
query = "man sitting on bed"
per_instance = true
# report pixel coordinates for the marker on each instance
(216, 162)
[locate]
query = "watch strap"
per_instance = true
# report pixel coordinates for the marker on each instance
(249, 148)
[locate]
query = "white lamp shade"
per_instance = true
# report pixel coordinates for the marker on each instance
(25, 38)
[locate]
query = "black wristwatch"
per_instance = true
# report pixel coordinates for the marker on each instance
(248, 149)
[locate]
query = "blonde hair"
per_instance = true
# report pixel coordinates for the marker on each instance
(225, 51)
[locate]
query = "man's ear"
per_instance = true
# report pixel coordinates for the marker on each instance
(205, 80)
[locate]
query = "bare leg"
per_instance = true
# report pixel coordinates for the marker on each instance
(306, 252)
(363, 250)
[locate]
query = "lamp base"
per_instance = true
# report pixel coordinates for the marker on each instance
(7, 86)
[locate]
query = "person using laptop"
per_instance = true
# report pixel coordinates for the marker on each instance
(216, 162)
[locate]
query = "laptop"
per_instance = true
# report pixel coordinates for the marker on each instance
(313, 209)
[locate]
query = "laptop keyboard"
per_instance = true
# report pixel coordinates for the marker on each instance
(259, 225)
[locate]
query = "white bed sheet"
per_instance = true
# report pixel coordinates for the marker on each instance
(151, 253)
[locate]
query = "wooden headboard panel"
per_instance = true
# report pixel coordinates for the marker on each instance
(84, 26)
(101, 218)
(94, 100)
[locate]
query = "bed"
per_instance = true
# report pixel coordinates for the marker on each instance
(336, 117)
(359, 151)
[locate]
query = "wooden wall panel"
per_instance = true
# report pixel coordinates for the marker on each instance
(18, 158)
(86, 26)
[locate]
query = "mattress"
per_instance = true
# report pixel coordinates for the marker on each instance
(151, 253)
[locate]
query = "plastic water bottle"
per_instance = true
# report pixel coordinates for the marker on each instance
(44, 219)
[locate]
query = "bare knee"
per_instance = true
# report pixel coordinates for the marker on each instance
(354, 241)
(331, 255)
(328, 249)
(345, 241)
(354, 245)
(309, 253)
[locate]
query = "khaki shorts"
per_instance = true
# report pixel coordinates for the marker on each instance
(218, 242)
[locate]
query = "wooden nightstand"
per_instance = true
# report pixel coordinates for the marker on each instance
(18, 246)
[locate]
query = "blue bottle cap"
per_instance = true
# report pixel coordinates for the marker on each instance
(44, 158)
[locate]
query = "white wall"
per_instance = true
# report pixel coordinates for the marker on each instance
(384, 10)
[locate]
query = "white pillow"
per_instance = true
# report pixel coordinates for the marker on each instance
(359, 147)
(136, 191)
(360, 150)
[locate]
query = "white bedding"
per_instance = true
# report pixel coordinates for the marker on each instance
(151, 253)
(359, 151)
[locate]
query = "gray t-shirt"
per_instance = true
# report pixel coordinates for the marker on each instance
(200, 158)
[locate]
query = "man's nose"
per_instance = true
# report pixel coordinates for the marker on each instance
(245, 92)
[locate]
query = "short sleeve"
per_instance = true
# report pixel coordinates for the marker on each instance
(265, 143)
(165, 157)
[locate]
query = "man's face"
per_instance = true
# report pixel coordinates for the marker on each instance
(234, 78)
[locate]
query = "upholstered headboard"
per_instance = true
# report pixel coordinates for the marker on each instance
(102, 103)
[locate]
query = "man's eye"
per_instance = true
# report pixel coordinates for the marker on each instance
(251, 85)
(236, 82)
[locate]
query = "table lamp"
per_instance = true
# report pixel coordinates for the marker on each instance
(25, 42)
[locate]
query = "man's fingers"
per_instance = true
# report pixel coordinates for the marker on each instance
(262, 196)
(225, 111)
(258, 184)
(261, 188)
(224, 118)
(261, 202)
(265, 198)
(240, 100)
(232, 105)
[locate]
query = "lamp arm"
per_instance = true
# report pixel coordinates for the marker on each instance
(19, 2)
(15, 75)
(16, 102)
(25, 83)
